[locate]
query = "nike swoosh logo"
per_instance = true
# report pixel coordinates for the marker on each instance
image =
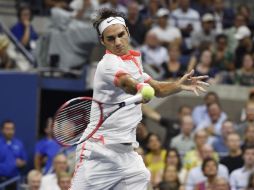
(110, 20)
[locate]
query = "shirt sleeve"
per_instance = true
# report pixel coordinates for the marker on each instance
(233, 181)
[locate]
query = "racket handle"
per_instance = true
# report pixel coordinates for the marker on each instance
(134, 99)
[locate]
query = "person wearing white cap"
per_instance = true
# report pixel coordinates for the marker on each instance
(245, 45)
(165, 33)
(108, 160)
(206, 34)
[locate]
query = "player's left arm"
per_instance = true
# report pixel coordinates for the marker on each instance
(187, 83)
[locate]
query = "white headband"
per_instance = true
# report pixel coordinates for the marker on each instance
(109, 21)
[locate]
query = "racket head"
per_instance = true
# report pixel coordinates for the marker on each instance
(73, 118)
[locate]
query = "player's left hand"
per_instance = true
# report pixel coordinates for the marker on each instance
(195, 84)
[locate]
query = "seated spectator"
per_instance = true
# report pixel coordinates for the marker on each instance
(196, 176)
(223, 16)
(114, 4)
(249, 120)
(205, 67)
(248, 137)
(34, 180)
(171, 124)
(245, 45)
(210, 171)
(245, 75)
(239, 177)
(45, 150)
(16, 154)
(193, 157)
(167, 34)
(173, 159)
(219, 142)
(64, 180)
(153, 55)
(155, 158)
(49, 181)
(23, 29)
(170, 178)
(173, 68)
(184, 141)
(245, 10)
(234, 158)
(200, 112)
(206, 34)
(222, 184)
(222, 55)
(239, 21)
(135, 24)
(250, 185)
(214, 122)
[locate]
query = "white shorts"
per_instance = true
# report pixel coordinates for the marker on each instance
(109, 167)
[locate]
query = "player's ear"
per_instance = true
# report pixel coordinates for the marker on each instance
(102, 40)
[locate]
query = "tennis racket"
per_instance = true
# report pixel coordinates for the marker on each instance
(74, 116)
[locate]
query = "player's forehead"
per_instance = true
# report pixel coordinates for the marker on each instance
(114, 30)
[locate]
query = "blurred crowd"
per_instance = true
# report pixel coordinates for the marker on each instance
(203, 149)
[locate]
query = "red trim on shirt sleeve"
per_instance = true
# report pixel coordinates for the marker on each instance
(147, 80)
(117, 75)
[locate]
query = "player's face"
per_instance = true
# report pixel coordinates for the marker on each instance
(116, 39)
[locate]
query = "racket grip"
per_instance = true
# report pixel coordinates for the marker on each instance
(134, 99)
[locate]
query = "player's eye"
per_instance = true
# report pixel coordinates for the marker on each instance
(121, 35)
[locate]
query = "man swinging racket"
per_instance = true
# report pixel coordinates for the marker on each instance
(107, 161)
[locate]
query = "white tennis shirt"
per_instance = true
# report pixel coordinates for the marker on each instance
(120, 127)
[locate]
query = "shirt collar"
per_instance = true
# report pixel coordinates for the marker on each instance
(128, 56)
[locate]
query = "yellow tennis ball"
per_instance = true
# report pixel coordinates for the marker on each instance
(147, 92)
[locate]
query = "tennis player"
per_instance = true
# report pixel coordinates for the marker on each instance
(107, 161)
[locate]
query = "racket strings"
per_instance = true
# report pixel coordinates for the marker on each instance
(73, 119)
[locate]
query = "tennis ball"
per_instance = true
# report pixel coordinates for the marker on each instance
(147, 92)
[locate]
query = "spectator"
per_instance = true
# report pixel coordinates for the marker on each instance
(248, 136)
(45, 150)
(239, 177)
(173, 68)
(23, 29)
(193, 157)
(216, 117)
(200, 112)
(114, 4)
(245, 10)
(34, 180)
(206, 34)
(170, 178)
(172, 125)
(219, 142)
(154, 55)
(14, 145)
(243, 35)
(222, 55)
(249, 120)
(245, 75)
(234, 159)
(210, 170)
(173, 159)
(155, 159)
(223, 16)
(250, 185)
(184, 141)
(135, 24)
(195, 175)
(222, 184)
(148, 13)
(205, 67)
(64, 180)
(239, 21)
(49, 181)
(167, 35)
(6, 62)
